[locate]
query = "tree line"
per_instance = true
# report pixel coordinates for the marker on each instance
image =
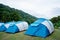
(56, 21)
(8, 14)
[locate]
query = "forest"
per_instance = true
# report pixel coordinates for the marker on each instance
(8, 14)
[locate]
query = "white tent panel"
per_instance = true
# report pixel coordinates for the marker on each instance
(47, 24)
(20, 26)
(7, 25)
(1, 24)
(51, 25)
(25, 24)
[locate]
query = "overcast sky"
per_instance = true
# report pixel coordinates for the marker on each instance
(38, 8)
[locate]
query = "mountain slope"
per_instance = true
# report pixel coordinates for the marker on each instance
(11, 14)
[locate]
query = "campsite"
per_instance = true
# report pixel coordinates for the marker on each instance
(17, 24)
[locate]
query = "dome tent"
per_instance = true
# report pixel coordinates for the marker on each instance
(2, 27)
(22, 25)
(8, 24)
(18, 26)
(42, 28)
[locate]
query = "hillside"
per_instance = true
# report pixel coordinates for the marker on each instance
(11, 14)
(56, 21)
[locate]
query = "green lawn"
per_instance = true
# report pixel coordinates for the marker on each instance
(21, 36)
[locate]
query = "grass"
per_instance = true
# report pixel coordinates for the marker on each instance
(21, 36)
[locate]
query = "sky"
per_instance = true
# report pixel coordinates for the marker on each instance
(38, 8)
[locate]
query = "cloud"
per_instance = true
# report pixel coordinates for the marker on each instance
(38, 8)
(56, 11)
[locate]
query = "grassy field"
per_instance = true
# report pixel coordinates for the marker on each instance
(20, 36)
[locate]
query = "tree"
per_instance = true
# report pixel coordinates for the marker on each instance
(11, 14)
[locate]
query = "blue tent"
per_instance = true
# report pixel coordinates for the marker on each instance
(8, 24)
(2, 27)
(42, 27)
(16, 26)
(12, 29)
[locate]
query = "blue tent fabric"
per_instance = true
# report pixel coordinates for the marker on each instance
(42, 32)
(12, 29)
(40, 20)
(38, 28)
(8, 24)
(2, 27)
(31, 30)
(11, 23)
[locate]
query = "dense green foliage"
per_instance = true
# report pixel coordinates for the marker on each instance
(11, 14)
(56, 21)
